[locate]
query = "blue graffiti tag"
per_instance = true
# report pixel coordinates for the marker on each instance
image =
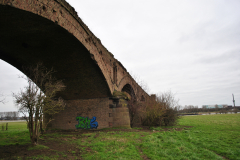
(86, 123)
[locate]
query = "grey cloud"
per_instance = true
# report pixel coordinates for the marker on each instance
(229, 57)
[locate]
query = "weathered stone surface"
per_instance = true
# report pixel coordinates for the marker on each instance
(50, 31)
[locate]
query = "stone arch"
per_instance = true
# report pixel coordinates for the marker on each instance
(125, 80)
(128, 89)
(140, 94)
(51, 32)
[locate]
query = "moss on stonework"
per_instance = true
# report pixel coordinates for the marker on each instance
(118, 94)
(121, 95)
(128, 95)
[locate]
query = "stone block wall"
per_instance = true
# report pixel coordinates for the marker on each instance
(120, 113)
(61, 14)
(108, 113)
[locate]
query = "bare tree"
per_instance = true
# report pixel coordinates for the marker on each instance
(152, 111)
(134, 110)
(140, 82)
(161, 111)
(170, 117)
(38, 97)
(8, 115)
(15, 115)
(1, 115)
(2, 98)
(216, 108)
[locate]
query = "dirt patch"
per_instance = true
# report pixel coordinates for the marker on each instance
(143, 155)
(97, 135)
(12, 150)
(63, 150)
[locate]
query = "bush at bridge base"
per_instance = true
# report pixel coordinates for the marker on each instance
(161, 111)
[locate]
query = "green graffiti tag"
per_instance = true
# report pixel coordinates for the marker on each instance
(86, 123)
(83, 122)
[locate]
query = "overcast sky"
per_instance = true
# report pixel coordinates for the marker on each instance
(191, 47)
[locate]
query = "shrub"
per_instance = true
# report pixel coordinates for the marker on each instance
(152, 113)
(170, 117)
(134, 110)
(161, 111)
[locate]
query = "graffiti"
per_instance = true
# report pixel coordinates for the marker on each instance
(86, 123)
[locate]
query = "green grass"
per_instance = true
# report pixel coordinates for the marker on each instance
(212, 137)
(111, 145)
(17, 134)
(216, 133)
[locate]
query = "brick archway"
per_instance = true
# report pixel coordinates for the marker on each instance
(50, 31)
(128, 88)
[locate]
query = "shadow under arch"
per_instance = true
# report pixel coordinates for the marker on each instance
(128, 89)
(27, 38)
(142, 98)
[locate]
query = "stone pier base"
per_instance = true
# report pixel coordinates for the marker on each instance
(109, 113)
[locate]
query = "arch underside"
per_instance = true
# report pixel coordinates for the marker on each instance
(26, 39)
(128, 88)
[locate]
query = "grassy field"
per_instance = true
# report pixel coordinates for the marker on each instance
(16, 134)
(210, 137)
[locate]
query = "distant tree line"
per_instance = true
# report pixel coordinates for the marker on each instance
(14, 115)
(190, 109)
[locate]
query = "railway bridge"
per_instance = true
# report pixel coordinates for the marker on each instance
(50, 32)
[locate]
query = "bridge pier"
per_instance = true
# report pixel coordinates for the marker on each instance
(50, 31)
(109, 112)
(120, 113)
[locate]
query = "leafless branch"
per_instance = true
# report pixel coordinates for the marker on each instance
(2, 99)
(39, 97)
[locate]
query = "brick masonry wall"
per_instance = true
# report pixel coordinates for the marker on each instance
(62, 14)
(121, 114)
(108, 113)
(85, 108)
